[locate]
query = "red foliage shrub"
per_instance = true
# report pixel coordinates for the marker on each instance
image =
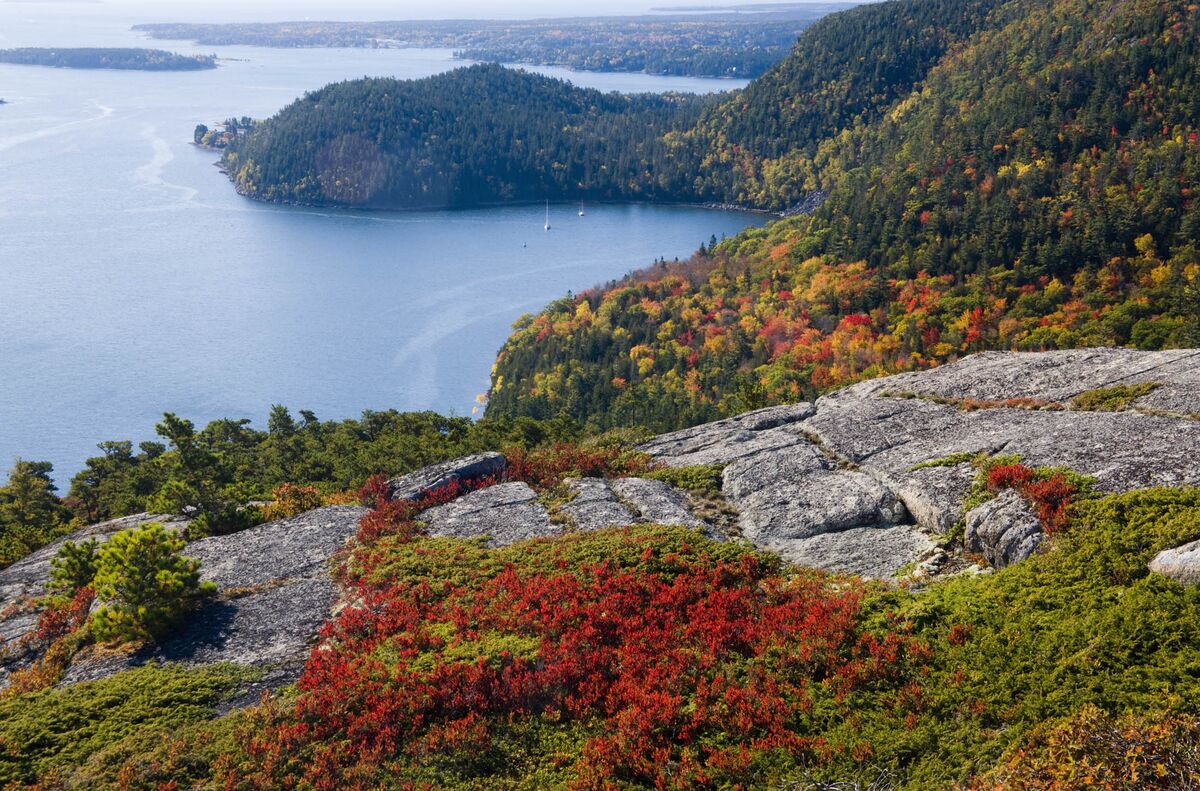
(1050, 496)
(375, 491)
(63, 616)
(1009, 476)
(959, 634)
(546, 467)
(684, 675)
(397, 517)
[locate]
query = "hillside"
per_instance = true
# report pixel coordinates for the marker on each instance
(1038, 202)
(536, 137)
(475, 135)
(617, 612)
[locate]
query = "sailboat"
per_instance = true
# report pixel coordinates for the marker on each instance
(547, 215)
(580, 208)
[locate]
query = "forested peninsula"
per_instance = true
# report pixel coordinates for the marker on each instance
(475, 135)
(107, 58)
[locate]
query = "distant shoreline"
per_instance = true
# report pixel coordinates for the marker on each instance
(107, 58)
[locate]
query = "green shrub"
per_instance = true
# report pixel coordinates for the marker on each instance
(74, 567)
(1112, 399)
(53, 732)
(144, 584)
(703, 479)
(1085, 624)
(172, 498)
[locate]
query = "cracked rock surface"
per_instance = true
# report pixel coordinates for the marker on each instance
(852, 460)
(655, 502)
(595, 506)
(503, 513)
(419, 483)
(275, 592)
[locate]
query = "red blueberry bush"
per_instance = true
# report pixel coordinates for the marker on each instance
(1050, 491)
(653, 656)
(545, 467)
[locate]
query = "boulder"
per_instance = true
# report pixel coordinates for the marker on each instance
(1181, 564)
(879, 552)
(299, 547)
(798, 493)
(1005, 530)
(420, 483)
(504, 513)
(595, 505)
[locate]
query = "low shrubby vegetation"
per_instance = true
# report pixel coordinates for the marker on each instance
(654, 656)
(79, 736)
(1112, 399)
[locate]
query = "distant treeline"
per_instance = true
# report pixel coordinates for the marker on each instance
(707, 46)
(107, 58)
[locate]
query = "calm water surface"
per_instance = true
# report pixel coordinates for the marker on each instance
(133, 279)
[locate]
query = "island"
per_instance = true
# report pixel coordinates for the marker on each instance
(132, 59)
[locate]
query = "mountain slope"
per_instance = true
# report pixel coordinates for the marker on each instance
(1036, 193)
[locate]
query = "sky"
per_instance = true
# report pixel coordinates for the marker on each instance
(279, 10)
(266, 10)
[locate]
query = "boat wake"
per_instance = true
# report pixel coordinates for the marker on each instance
(151, 173)
(58, 129)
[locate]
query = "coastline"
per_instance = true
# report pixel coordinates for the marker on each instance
(801, 208)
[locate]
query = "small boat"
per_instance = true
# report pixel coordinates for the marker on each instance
(580, 208)
(547, 215)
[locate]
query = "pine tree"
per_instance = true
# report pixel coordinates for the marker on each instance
(144, 584)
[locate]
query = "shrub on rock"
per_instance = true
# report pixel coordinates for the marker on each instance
(144, 584)
(291, 500)
(74, 567)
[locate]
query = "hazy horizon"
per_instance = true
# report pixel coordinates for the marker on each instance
(359, 10)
